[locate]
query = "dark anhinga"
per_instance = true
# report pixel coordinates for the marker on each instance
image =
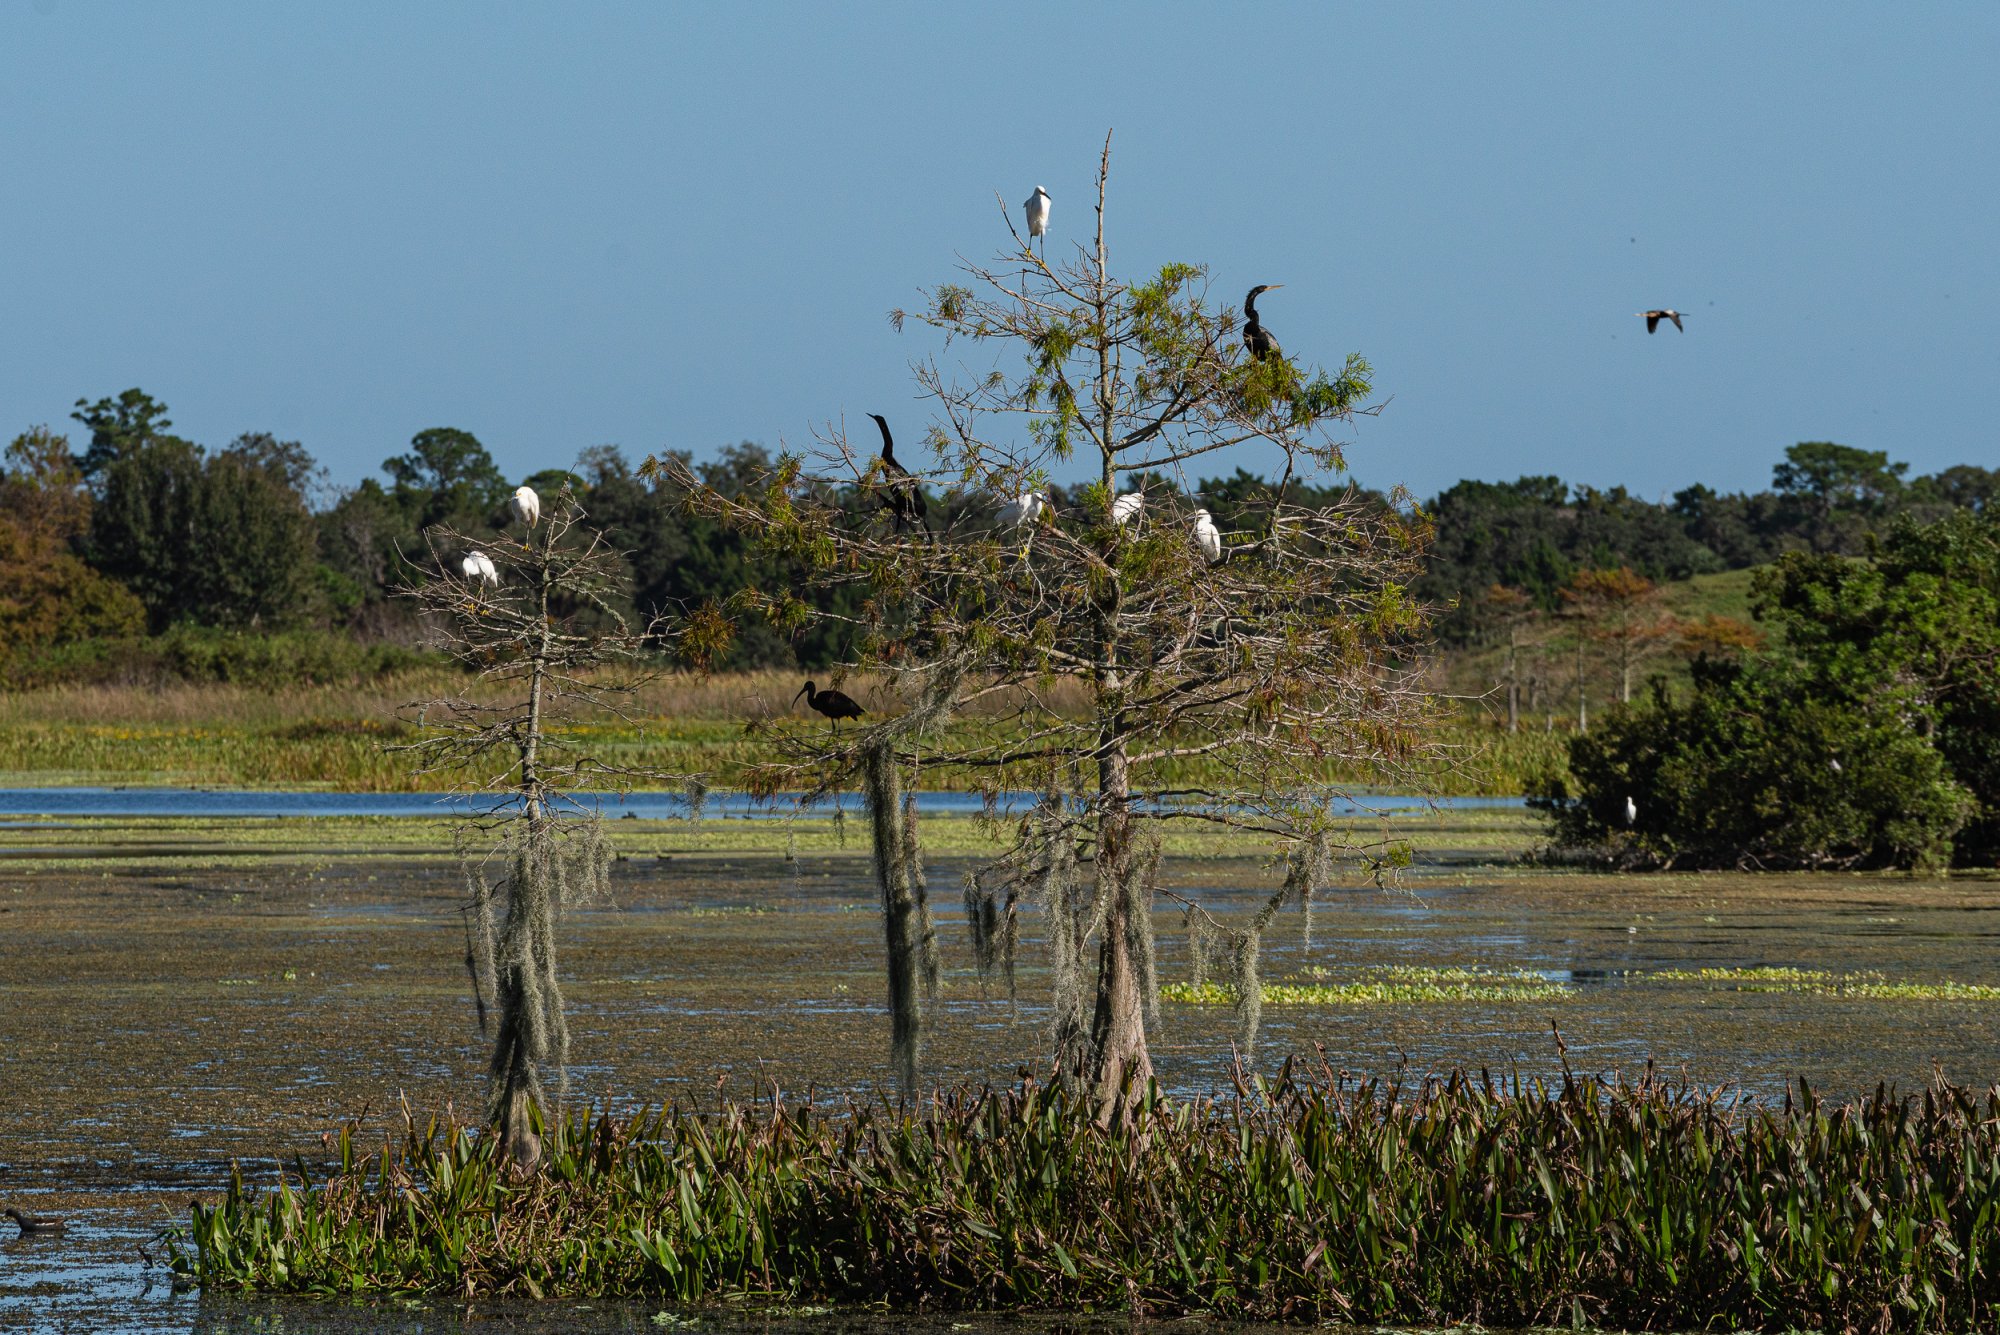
(1255, 336)
(42, 1224)
(1653, 318)
(836, 705)
(903, 497)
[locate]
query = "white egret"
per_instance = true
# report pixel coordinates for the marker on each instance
(527, 506)
(1207, 536)
(1023, 509)
(1631, 812)
(1255, 336)
(1126, 508)
(1653, 318)
(1037, 209)
(479, 568)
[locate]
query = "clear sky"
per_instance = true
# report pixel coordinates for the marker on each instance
(659, 225)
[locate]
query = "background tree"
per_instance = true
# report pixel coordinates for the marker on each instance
(550, 648)
(48, 596)
(1132, 681)
(1621, 609)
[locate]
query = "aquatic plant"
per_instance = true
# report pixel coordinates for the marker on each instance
(1503, 1203)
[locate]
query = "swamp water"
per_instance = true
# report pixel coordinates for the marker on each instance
(175, 996)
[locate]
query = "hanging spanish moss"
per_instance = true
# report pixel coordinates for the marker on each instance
(992, 917)
(551, 864)
(1143, 869)
(913, 874)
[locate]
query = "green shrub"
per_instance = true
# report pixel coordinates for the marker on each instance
(196, 655)
(1618, 1205)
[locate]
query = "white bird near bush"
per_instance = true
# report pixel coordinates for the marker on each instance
(479, 568)
(527, 505)
(1023, 509)
(1631, 812)
(1126, 508)
(1207, 536)
(1037, 209)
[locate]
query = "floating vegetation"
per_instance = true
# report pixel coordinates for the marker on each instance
(1823, 983)
(1318, 987)
(1608, 1204)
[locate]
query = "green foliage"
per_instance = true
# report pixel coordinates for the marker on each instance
(197, 655)
(1608, 1204)
(1870, 736)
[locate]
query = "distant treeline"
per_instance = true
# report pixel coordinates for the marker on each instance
(134, 531)
(1537, 534)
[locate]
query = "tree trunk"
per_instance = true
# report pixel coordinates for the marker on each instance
(902, 915)
(1119, 1062)
(1582, 703)
(1513, 681)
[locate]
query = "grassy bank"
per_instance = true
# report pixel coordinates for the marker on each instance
(338, 737)
(1621, 1206)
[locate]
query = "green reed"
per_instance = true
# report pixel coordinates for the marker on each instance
(1612, 1204)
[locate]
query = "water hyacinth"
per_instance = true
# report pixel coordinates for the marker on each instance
(1618, 1204)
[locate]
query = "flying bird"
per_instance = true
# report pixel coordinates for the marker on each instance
(1653, 318)
(1126, 508)
(479, 568)
(835, 705)
(1207, 536)
(1023, 509)
(902, 496)
(1255, 336)
(1037, 209)
(526, 505)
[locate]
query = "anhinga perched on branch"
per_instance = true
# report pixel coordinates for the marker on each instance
(901, 494)
(1255, 336)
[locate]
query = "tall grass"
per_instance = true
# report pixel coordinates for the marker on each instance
(333, 734)
(1642, 1206)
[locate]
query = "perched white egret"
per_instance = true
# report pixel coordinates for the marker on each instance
(479, 568)
(1653, 318)
(1037, 209)
(1207, 536)
(1126, 508)
(1631, 812)
(527, 506)
(1023, 509)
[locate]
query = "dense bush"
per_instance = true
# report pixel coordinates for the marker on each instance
(1869, 734)
(1633, 1206)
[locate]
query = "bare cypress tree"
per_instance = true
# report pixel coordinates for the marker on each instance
(1135, 668)
(541, 626)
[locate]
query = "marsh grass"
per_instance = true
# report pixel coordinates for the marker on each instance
(333, 736)
(1611, 1204)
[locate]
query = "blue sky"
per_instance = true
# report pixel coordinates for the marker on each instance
(665, 225)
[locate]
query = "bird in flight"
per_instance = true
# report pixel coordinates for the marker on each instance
(1653, 318)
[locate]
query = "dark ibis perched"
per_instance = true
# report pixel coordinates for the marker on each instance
(1255, 336)
(41, 1225)
(901, 494)
(836, 705)
(1653, 318)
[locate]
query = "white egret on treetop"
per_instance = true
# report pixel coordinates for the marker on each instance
(479, 568)
(1023, 509)
(1207, 536)
(1126, 508)
(1255, 336)
(526, 505)
(1037, 209)
(1653, 318)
